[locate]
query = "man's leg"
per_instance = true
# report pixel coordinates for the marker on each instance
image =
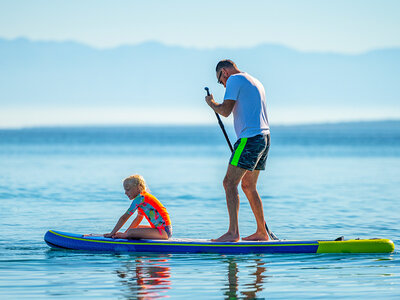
(231, 181)
(249, 186)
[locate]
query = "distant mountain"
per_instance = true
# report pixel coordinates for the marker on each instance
(153, 75)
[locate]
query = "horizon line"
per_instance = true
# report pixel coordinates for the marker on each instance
(204, 124)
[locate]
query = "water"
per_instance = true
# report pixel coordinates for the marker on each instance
(322, 181)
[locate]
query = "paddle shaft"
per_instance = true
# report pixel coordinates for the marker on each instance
(221, 124)
(271, 234)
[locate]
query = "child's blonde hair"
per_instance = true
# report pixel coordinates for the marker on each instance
(135, 180)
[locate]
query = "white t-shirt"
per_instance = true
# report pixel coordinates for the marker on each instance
(250, 111)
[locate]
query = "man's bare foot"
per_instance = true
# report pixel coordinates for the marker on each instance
(227, 237)
(257, 237)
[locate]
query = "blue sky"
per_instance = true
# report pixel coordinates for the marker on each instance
(348, 26)
(340, 26)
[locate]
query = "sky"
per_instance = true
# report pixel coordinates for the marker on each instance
(340, 26)
(346, 26)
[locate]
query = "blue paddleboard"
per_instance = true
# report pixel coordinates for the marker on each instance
(64, 240)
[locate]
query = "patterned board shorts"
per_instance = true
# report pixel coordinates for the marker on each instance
(251, 153)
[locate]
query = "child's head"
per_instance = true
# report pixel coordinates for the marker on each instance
(134, 185)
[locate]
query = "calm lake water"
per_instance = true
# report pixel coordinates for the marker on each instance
(322, 181)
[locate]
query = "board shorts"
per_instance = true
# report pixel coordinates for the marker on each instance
(251, 153)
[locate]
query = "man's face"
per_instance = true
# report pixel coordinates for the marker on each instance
(222, 76)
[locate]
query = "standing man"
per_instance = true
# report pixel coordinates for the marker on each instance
(245, 97)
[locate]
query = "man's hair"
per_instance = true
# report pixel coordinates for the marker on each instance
(225, 63)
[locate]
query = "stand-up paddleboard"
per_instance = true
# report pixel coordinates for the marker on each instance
(58, 239)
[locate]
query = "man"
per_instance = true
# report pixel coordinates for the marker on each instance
(245, 97)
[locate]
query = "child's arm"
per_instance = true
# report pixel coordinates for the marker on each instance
(136, 222)
(134, 205)
(122, 220)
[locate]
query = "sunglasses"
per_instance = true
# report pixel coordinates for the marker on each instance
(219, 78)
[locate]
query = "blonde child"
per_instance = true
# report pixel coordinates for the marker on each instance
(149, 207)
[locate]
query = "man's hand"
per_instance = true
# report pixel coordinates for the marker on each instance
(107, 235)
(224, 109)
(210, 100)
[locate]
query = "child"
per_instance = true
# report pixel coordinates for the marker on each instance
(148, 206)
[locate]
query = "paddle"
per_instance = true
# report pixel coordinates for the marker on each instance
(271, 234)
(221, 124)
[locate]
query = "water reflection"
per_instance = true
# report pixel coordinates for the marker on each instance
(145, 277)
(252, 286)
(150, 277)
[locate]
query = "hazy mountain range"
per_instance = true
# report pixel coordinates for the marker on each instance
(156, 76)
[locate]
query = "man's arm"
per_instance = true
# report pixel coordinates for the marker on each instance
(224, 109)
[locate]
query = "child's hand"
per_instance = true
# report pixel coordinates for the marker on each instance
(107, 235)
(119, 235)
